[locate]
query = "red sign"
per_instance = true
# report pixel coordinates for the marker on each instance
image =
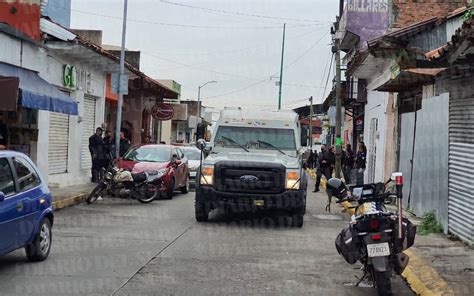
(162, 111)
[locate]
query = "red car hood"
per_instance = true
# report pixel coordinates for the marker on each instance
(140, 167)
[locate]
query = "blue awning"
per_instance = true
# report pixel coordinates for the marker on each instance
(37, 93)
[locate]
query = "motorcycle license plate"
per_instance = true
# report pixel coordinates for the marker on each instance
(377, 250)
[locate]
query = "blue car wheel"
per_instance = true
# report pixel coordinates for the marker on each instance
(39, 249)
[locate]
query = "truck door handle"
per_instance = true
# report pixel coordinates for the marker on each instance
(19, 207)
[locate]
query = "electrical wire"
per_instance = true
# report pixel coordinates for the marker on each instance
(241, 13)
(329, 59)
(304, 53)
(183, 65)
(266, 79)
(187, 25)
(229, 51)
(327, 79)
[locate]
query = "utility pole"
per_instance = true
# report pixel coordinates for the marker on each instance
(338, 103)
(118, 124)
(311, 122)
(199, 95)
(281, 67)
(199, 101)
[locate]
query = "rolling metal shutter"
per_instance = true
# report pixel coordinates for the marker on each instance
(58, 143)
(88, 129)
(461, 167)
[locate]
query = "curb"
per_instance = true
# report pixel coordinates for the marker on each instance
(69, 201)
(423, 279)
(312, 174)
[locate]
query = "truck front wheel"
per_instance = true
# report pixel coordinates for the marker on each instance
(297, 220)
(201, 211)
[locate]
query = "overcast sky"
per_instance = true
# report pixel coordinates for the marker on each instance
(193, 46)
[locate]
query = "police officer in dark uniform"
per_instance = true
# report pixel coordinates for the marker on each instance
(96, 148)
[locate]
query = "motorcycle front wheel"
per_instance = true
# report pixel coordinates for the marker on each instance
(148, 193)
(96, 193)
(382, 283)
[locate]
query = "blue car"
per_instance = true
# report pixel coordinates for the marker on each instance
(26, 213)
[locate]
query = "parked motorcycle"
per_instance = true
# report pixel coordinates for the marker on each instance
(376, 237)
(121, 183)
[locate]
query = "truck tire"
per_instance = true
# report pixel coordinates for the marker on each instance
(201, 211)
(297, 220)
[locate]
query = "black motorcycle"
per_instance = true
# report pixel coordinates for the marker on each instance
(121, 183)
(376, 237)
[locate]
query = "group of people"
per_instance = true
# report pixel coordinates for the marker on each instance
(325, 162)
(102, 149)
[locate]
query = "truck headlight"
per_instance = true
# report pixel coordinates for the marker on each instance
(292, 180)
(207, 175)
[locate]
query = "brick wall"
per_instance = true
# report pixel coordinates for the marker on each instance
(406, 12)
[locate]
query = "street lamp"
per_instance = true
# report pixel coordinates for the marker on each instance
(199, 94)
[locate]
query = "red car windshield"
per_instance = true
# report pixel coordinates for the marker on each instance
(148, 154)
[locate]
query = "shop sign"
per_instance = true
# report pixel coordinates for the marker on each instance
(162, 111)
(119, 84)
(70, 76)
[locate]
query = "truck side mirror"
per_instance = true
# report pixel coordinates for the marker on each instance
(201, 144)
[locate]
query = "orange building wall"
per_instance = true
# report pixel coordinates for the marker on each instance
(108, 90)
(23, 15)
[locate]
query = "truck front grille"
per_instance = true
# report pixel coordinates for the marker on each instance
(246, 177)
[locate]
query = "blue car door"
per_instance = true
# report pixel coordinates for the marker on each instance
(28, 198)
(9, 215)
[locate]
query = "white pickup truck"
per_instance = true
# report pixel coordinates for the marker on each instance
(254, 164)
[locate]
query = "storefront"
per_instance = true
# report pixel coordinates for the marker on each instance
(24, 93)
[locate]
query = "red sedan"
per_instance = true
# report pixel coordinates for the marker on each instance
(166, 158)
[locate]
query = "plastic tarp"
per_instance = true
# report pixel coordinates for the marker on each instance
(37, 93)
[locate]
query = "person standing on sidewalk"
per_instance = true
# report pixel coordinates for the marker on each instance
(96, 148)
(361, 162)
(348, 163)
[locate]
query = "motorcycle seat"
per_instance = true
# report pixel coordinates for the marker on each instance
(138, 178)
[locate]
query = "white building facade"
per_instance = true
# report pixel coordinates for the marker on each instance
(61, 147)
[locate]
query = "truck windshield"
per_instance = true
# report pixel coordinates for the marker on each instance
(280, 138)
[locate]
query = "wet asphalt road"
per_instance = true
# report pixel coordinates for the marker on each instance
(122, 248)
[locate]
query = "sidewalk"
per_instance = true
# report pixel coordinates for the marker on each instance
(438, 265)
(70, 196)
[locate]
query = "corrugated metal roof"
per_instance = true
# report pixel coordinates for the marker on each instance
(56, 30)
(463, 34)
